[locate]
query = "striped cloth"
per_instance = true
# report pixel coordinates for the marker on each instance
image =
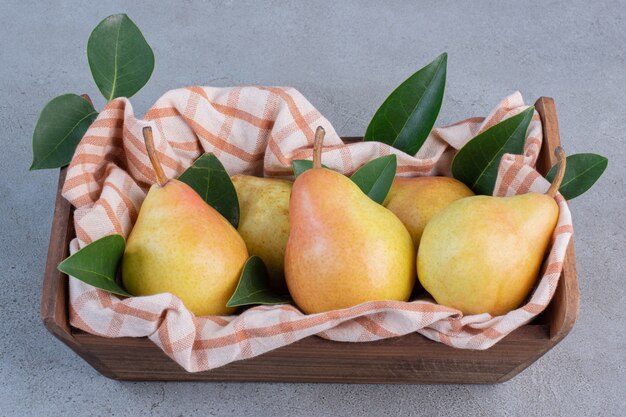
(258, 131)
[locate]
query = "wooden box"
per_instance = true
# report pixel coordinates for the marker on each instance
(409, 359)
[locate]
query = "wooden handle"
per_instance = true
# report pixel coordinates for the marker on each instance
(87, 98)
(562, 312)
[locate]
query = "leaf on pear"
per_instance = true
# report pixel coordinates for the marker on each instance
(61, 125)
(120, 59)
(253, 287)
(375, 177)
(407, 116)
(208, 177)
(96, 264)
(581, 172)
(476, 163)
(301, 165)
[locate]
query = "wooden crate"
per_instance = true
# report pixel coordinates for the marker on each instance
(409, 359)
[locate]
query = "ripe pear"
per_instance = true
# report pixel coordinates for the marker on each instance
(181, 245)
(344, 249)
(264, 222)
(416, 200)
(482, 254)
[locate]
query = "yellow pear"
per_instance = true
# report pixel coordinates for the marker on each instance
(416, 200)
(264, 222)
(181, 245)
(482, 254)
(344, 249)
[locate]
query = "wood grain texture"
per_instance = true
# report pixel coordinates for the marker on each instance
(54, 293)
(403, 360)
(411, 359)
(563, 310)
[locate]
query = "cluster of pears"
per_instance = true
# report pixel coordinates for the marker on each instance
(330, 246)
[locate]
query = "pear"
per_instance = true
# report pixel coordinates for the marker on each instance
(264, 222)
(343, 249)
(416, 200)
(482, 254)
(183, 246)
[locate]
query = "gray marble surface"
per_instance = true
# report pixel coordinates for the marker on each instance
(345, 57)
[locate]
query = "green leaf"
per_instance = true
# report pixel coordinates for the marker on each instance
(476, 163)
(120, 59)
(253, 286)
(407, 116)
(581, 172)
(209, 178)
(96, 264)
(61, 125)
(301, 165)
(375, 177)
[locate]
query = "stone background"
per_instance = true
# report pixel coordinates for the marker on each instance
(345, 57)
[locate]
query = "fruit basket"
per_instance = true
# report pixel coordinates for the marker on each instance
(407, 359)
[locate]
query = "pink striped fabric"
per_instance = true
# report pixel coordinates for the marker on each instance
(258, 131)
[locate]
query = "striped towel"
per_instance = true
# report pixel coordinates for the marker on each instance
(258, 131)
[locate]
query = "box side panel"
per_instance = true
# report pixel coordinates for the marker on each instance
(410, 359)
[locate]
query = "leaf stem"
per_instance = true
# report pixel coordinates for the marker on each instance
(558, 178)
(154, 158)
(317, 147)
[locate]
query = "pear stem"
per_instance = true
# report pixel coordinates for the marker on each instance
(560, 173)
(317, 147)
(154, 158)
